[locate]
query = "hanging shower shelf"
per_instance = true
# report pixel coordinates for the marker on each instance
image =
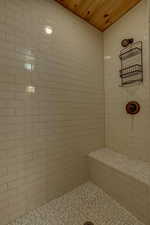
(131, 72)
(130, 53)
(131, 82)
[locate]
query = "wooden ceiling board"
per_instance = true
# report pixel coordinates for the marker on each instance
(88, 14)
(100, 13)
(105, 10)
(124, 8)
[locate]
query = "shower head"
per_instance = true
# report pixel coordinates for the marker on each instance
(126, 42)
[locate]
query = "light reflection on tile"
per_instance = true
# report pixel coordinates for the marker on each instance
(30, 89)
(48, 30)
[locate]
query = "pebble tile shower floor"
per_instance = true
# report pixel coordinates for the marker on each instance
(85, 203)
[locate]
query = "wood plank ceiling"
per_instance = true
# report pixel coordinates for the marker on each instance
(100, 13)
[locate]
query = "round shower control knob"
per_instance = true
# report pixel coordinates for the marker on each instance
(132, 107)
(88, 223)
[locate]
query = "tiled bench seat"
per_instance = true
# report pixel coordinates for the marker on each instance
(128, 181)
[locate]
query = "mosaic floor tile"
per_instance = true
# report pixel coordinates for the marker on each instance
(85, 203)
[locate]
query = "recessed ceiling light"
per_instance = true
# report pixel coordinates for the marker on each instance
(48, 30)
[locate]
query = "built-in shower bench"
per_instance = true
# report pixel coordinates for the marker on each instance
(127, 180)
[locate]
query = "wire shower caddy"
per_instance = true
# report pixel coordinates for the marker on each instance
(131, 64)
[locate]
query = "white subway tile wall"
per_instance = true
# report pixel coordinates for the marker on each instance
(51, 102)
(125, 133)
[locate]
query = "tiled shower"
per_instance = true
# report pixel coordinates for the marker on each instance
(60, 100)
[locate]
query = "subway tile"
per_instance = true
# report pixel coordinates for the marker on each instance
(43, 133)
